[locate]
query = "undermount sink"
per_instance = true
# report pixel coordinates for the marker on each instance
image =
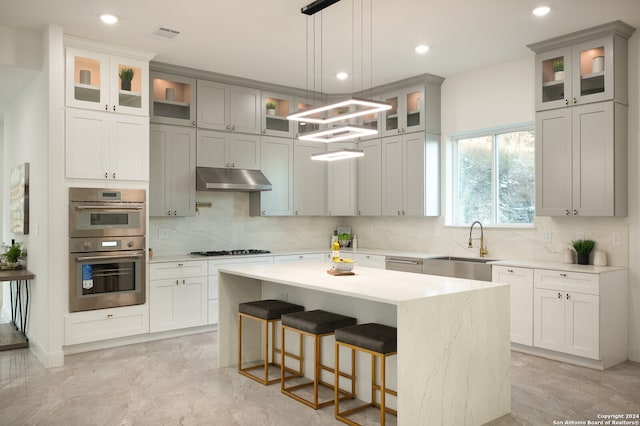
(475, 268)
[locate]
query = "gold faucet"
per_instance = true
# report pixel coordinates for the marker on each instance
(483, 249)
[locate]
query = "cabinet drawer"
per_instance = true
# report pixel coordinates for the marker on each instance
(309, 257)
(178, 269)
(370, 260)
(567, 281)
(102, 324)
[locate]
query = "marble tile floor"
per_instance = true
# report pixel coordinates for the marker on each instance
(175, 382)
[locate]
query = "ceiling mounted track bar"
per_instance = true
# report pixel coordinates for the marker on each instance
(316, 6)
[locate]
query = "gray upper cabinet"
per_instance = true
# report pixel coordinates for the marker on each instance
(225, 107)
(581, 123)
(275, 109)
(309, 179)
(582, 67)
(173, 99)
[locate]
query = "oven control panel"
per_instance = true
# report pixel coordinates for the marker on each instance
(87, 245)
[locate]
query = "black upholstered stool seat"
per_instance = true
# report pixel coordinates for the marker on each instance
(317, 321)
(269, 309)
(374, 337)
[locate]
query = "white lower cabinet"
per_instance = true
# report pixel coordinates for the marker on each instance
(178, 295)
(521, 283)
(370, 260)
(307, 257)
(571, 314)
(212, 292)
(102, 324)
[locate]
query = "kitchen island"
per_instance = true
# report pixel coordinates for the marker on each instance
(453, 334)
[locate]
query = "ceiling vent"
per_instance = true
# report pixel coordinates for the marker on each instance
(165, 32)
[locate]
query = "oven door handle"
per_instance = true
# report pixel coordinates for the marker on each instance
(109, 207)
(125, 256)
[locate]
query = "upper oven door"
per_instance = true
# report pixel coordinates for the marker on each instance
(91, 219)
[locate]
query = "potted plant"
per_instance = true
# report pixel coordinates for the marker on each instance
(558, 70)
(271, 108)
(14, 257)
(583, 248)
(126, 75)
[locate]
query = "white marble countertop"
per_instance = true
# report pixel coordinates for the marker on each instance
(566, 267)
(378, 285)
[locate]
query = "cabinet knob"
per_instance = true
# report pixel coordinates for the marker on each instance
(575, 212)
(567, 213)
(566, 101)
(109, 315)
(106, 175)
(233, 165)
(510, 271)
(176, 282)
(228, 127)
(168, 212)
(233, 128)
(175, 213)
(181, 264)
(193, 123)
(183, 282)
(114, 175)
(114, 108)
(563, 275)
(575, 101)
(106, 107)
(264, 131)
(559, 295)
(568, 297)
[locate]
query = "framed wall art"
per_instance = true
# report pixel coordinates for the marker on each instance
(19, 199)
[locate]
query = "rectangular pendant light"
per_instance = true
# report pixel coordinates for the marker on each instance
(337, 134)
(340, 154)
(339, 111)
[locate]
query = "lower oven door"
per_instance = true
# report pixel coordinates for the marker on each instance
(106, 280)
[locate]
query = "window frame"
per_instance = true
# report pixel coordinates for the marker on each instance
(452, 172)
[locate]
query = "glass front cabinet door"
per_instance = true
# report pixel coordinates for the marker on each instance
(275, 109)
(173, 99)
(107, 83)
(407, 112)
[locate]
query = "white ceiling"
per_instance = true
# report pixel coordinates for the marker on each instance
(266, 39)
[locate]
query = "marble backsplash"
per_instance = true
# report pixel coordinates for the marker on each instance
(227, 225)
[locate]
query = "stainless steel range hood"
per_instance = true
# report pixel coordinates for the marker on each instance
(220, 179)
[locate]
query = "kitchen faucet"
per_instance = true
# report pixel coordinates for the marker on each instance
(483, 249)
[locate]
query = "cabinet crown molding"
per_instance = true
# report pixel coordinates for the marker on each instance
(107, 48)
(618, 28)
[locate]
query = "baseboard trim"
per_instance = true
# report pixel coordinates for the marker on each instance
(558, 356)
(132, 340)
(47, 359)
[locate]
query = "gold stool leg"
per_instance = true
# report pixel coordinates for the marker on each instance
(383, 362)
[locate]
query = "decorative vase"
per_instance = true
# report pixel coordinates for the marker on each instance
(600, 258)
(271, 112)
(125, 85)
(598, 64)
(558, 75)
(583, 258)
(85, 77)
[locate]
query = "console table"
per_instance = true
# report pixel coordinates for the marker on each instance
(19, 289)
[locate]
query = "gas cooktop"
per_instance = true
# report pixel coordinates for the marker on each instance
(230, 252)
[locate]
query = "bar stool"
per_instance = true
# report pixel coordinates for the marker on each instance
(380, 341)
(316, 324)
(266, 312)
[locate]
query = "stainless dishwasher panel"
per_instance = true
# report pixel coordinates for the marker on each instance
(474, 269)
(404, 264)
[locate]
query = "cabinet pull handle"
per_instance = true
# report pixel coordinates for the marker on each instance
(168, 212)
(233, 165)
(233, 128)
(183, 282)
(563, 275)
(510, 270)
(568, 297)
(106, 175)
(575, 212)
(180, 264)
(228, 127)
(193, 123)
(566, 101)
(109, 315)
(106, 107)
(264, 131)
(175, 213)
(114, 108)
(398, 212)
(575, 101)
(114, 175)
(559, 295)
(567, 213)
(176, 282)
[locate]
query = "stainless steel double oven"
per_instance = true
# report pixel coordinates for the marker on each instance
(107, 255)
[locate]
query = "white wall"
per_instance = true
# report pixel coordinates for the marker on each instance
(31, 124)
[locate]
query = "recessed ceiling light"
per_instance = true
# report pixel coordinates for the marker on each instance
(342, 75)
(107, 18)
(423, 48)
(541, 11)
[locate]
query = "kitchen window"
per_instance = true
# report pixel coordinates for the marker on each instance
(493, 177)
